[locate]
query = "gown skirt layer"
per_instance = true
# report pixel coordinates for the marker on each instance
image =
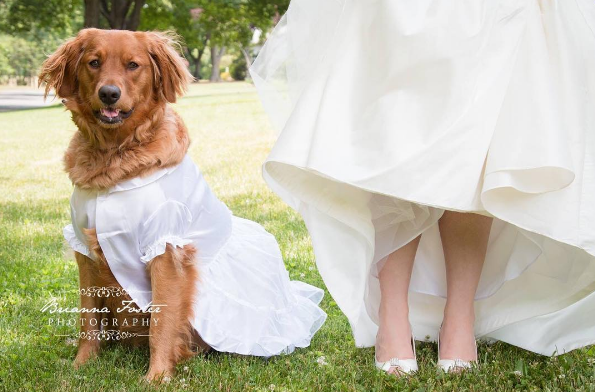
(392, 111)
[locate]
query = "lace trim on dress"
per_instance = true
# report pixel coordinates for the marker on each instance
(74, 242)
(158, 247)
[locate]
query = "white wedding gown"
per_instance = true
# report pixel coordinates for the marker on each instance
(392, 111)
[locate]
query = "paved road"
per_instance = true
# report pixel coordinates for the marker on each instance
(20, 99)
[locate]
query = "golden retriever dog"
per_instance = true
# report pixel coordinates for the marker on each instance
(117, 85)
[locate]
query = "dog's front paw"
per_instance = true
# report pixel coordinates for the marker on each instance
(84, 355)
(159, 376)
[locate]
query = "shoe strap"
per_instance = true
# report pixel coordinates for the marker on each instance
(402, 365)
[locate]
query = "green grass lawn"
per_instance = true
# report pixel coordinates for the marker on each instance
(230, 139)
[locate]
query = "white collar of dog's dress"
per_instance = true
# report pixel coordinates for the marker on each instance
(137, 182)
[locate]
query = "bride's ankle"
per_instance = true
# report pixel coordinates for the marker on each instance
(394, 313)
(394, 340)
(394, 347)
(390, 327)
(394, 330)
(459, 317)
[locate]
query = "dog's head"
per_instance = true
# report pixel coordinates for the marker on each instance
(115, 75)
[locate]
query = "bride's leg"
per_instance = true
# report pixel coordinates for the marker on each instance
(464, 240)
(394, 333)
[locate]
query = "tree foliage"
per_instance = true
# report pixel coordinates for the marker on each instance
(20, 56)
(22, 17)
(222, 25)
(179, 16)
(30, 29)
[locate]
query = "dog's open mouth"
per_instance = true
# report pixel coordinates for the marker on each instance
(110, 115)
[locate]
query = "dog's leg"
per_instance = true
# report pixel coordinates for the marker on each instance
(173, 282)
(89, 322)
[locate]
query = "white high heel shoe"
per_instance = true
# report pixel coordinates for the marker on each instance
(402, 366)
(454, 365)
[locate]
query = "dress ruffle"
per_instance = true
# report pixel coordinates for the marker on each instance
(74, 242)
(168, 224)
(246, 302)
(405, 109)
(158, 247)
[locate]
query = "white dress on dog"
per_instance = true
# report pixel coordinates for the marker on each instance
(246, 303)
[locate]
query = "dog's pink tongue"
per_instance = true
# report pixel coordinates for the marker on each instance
(110, 113)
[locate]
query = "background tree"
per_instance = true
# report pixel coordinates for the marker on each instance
(49, 16)
(181, 16)
(232, 24)
(222, 26)
(92, 13)
(31, 29)
(119, 14)
(28, 35)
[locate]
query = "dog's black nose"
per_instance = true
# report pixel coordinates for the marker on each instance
(109, 94)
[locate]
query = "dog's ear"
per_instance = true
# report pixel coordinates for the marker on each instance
(59, 70)
(169, 68)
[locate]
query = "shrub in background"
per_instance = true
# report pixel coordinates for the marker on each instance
(239, 69)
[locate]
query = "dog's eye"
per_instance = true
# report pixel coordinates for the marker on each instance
(132, 65)
(94, 63)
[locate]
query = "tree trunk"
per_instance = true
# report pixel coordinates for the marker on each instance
(117, 13)
(196, 71)
(133, 20)
(247, 56)
(216, 54)
(197, 62)
(201, 51)
(92, 13)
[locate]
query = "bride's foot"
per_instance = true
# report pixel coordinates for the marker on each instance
(457, 346)
(395, 348)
